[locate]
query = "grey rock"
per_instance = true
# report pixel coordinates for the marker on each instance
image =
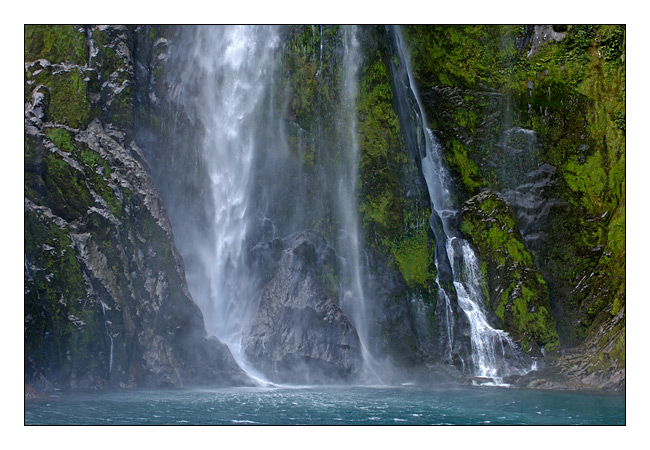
(544, 34)
(299, 334)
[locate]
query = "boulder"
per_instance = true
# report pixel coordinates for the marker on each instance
(299, 334)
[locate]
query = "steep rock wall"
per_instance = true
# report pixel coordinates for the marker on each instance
(106, 301)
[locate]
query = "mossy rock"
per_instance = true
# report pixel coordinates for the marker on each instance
(56, 43)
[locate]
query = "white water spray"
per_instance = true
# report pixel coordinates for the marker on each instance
(231, 69)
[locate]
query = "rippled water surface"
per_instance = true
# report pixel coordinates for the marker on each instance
(408, 405)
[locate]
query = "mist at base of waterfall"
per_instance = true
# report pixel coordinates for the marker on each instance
(330, 405)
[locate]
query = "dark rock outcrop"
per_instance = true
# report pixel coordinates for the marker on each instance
(299, 334)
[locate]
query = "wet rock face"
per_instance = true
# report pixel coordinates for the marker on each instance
(106, 301)
(299, 334)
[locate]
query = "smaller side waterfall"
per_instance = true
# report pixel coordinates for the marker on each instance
(493, 354)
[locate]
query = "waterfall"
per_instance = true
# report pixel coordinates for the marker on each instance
(353, 300)
(110, 336)
(259, 188)
(225, 82)
(353, 297)
(493, 353)
(265, 177)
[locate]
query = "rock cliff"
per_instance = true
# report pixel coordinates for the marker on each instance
(106, 301)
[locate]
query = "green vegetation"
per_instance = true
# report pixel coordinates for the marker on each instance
(394, 225)
(66, 88)
(381, 156)
(69, 103)
(484, 80)
(312, 78)
(95, 174)
(414, 259)
(458, 55)
(468, 170)
(56, 43)
(494, 229)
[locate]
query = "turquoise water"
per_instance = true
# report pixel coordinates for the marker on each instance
(408, 405)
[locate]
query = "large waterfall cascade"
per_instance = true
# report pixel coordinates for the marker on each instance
(494, 354)
(228, 81)
(229, 73)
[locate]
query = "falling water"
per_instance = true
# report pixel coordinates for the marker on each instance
(353, 295)
(228, 79)
(110, 336)
(227, 82)
(494, 355)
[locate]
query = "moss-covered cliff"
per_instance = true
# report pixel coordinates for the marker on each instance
(537, 114)
(517, 292)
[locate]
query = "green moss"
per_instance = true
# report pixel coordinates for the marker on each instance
(71, 187)
(467, 118)
(457, 55)
(616, 231)
(517, 292)
(458, 160)
(69, 103)
(56, 43)
(381, 156)
(414, 259)
(588, 179)
(65, 188)
(380, 211)
(536, 322)
(500, 309)
(492, 227)
(61, 138)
